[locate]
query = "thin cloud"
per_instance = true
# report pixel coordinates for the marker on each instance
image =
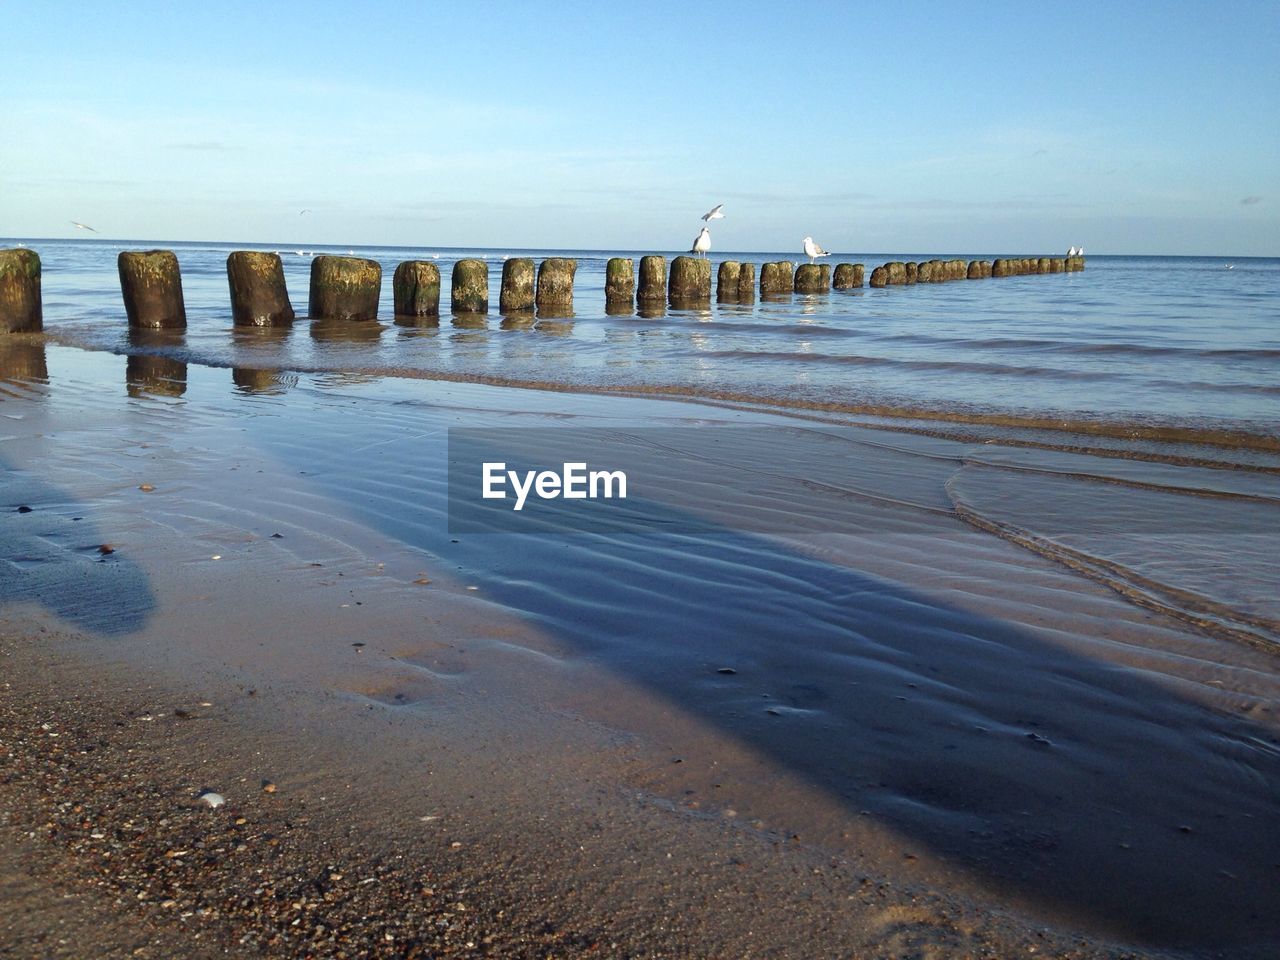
(204, 145)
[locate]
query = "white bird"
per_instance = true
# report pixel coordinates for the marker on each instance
(82, 226)
(1080, 251)
(715, 213)
(1071, 252)
(703, 243)
(812, 250)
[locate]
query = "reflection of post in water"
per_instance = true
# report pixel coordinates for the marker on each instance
(518, 320)
(152, 373)
(22, 361)
(470, 321)
(554, 328)
(336, 330)
(249, 380)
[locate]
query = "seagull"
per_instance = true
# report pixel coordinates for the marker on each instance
(812, 250)
(82, 226)
(703, 243)
(301, 212)
(715, 213)
(1071, 252)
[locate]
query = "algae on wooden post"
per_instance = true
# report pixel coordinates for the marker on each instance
(879, 277)
(727, 281)
(344, 288)
(619, 282)
(690, 281)
(516, 294)
(259, 297)
(470, 287)
(813, 278)
(21, 309)
(842, 279)
(746, 282)
(555, 284)
(777, 278)
(415, 289)
(151, 285)
(653, 280)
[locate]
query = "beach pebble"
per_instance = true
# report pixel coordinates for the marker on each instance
(268, 786)
(214, 800)
(145, 487)
(106, 548)
(24, 509)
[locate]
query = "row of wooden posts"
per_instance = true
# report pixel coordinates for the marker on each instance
(348, 288)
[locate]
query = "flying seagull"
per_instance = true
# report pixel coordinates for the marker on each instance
(703, 243)
(715, 213)
(812, 250)
(301, 212)
(82, 226)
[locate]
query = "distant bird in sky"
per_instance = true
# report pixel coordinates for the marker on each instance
(301, 212)
(702, 244)
(812, 250)
(82, 226)
(715, 213)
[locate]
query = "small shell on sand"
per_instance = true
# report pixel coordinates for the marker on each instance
(214, 800)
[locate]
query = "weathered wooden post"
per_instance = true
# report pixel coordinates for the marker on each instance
(21, 309)
(151, 284)
(879, 277)
(259, 297)
(653, 281)
(777, 278)
(555, 284)
(619, 284)
(912, 271)
(895, 272)
(1000, 267)
(1057, 264)
(975, 270)
(746, 282)
(1044, 265)
(470, 287)
(847, 276)
(727, 281)
(690, 281)
(926, 272)
(415, 288)
(344, 288)
(517, 294)
(813, 278)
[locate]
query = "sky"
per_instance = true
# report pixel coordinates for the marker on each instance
(990, 127)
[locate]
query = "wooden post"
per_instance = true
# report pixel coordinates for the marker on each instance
(727, 281)
(813, 278)
(344, 288)
(517, 292)
(415, 288)
(690, 281)
(879, 277)
(151, 284)
(470, 287)
(619, 283)
(653, 281)
(21, 310)
(259, 297)
(777, 278)
(555, 284)
(746, 282)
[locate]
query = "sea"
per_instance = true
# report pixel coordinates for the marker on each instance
(983, 573)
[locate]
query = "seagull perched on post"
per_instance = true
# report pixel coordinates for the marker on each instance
(715, 213)
(82, 226)
(703, 243)
(812, 250)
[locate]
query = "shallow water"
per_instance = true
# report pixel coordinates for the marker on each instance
(1027, 654)
(1133, 342)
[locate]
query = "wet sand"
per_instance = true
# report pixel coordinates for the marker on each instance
(906, 734)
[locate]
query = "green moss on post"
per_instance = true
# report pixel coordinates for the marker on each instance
(415, 289)
(259, 297)
(727, 281)
(470, 286)
(151, 284)
(653, 281)
(813, 278)
(746, 282)
(1044, 265)
(690, 281)
(344, 288)
(619, 283)
(895, 272)
(879, 277)
(21, 310)
(845, 276)
(777, 278)
(1000, 268)
(517, 294)
(555, 284)
(913, 271)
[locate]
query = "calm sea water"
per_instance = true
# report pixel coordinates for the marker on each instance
(1189, 343)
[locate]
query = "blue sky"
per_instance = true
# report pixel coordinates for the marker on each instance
(1126, 127)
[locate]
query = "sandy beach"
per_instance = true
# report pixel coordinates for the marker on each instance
(903, 735)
